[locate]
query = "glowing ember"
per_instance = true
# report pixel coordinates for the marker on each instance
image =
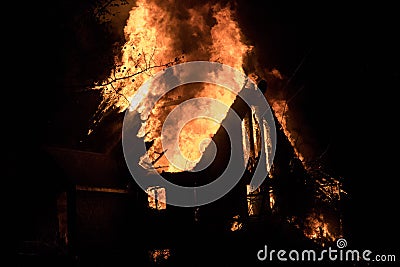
(236, 225)
(318, 229)
(271, 199)
(158, 255)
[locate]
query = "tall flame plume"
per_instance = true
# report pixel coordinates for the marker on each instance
(159, 34)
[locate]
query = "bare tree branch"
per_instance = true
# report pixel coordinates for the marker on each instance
(97, 117)
(147, 68)
(120, 94)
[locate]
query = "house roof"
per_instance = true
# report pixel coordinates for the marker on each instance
(89, 168)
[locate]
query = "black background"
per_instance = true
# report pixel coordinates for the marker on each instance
(351, 72)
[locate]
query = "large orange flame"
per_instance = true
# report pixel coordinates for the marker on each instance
(280, 108)
(158, 34)
(152, 44)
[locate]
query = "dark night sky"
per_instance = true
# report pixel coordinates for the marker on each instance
(351, 75)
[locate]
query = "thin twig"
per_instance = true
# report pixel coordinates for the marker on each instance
(120, 94)
(134, 74)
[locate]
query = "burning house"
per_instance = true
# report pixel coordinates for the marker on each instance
(104, 217)
(101, 215)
